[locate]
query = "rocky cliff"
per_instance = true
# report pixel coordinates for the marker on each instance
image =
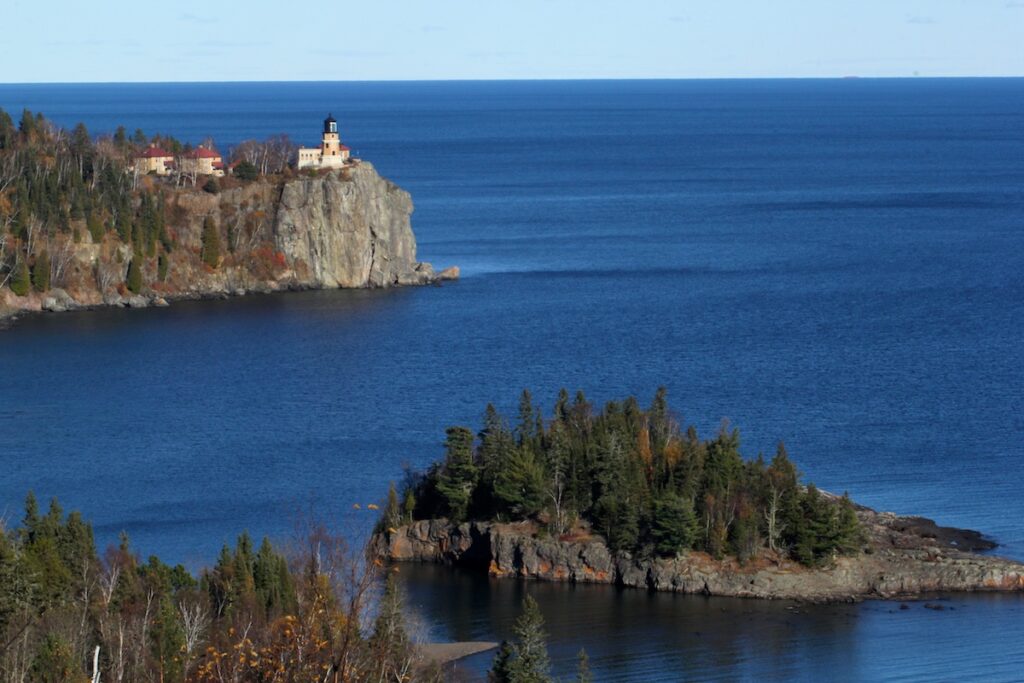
(903, 556)
(347, 228)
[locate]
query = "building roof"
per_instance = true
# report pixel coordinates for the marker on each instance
(330, 119)
(202, 153)
(344, 148)
(154, 152)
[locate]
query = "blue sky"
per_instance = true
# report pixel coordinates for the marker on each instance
(65, 41)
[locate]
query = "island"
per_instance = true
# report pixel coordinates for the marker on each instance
(138, 221)
(625, 496)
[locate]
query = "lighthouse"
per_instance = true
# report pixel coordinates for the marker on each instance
(330, 154)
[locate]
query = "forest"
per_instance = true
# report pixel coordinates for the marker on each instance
(635, 477)
(60, 188)
(317, 610)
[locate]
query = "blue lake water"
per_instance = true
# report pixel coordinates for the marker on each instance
(838, 264)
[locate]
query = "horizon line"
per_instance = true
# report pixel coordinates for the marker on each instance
(849, 77)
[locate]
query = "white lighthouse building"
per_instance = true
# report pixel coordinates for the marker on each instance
(330, 154)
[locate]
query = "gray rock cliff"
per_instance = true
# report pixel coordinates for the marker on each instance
(903, 557)
(343, 228)
(351, 230)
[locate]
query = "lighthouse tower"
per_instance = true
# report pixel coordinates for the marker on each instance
(331, 144)
(330, 154)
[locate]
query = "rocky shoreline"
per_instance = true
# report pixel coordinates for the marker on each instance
(902, 557)
(346, 229)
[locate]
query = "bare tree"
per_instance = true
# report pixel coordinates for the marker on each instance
(62, 253)
(195, 620)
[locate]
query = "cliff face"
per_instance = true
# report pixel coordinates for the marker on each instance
(348, 228)
(353, 233)
(904, 557)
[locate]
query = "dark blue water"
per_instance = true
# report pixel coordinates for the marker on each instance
(833, 263)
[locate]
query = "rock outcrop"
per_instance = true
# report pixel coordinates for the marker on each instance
(352, 232)
(903, 556)
(344, 228)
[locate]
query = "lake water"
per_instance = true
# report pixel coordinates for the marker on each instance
(838, 264)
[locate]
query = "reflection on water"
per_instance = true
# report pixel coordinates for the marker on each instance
(638, 635)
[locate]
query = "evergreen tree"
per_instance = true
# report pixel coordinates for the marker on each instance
(134, 279)
(389, 645)
(583, 674)
(409, 507)
(161, 267)
(55, 662)
(849, 535)
(500, 667)
(673, 524)
(21, 281)
(526, 431)
(530, 662)
(95, 226)
(519, 484)
(7, 130)
(459, 474)
(41, 272)
(391, 518)
(246, 171)
(27, 125)
(167, 640)
(211, 243)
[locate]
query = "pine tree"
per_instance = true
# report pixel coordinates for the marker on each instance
(391, 518)
(526, 430)
(7, 130)
(848, 537)
(134, 278)
(211, 243)
(96, 229)
(161, 267)
(409, 507)
(166, 640)
(55, 662)
(21, 281)
(389, 644)
(41, 272)
(519, 484)
(530, 662)
(500, 672)
(583, 674)
(459, 474)
(673, 524)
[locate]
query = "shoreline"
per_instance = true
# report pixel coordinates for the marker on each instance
(9, 316)
(904, 557)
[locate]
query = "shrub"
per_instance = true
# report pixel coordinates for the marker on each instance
(211, 186)
(246, 171)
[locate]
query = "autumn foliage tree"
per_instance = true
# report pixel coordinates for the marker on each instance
(316, 613)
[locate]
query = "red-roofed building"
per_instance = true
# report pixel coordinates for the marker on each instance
(202, 161)
(154, 160)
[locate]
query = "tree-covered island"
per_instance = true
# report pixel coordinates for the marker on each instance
(626, 495)
(634, 476)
